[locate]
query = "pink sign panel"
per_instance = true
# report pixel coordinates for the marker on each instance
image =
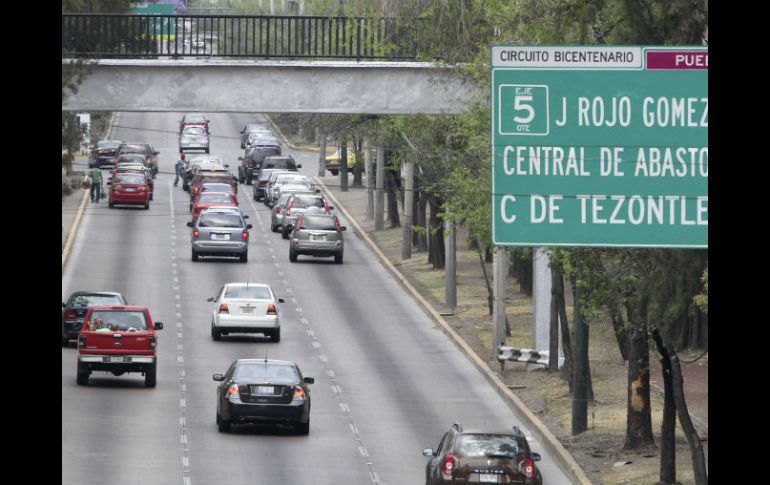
(678, 60)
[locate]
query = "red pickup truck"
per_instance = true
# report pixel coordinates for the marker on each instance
(118, 339)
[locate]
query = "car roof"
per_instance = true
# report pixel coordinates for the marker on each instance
(222, 209)
(118, 307)
(269, 361)
(110, 293)
(248, 283)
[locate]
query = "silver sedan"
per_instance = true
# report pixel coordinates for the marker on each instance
(245, 308)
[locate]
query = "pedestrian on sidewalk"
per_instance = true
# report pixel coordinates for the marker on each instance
(95, 174)
(179, 169)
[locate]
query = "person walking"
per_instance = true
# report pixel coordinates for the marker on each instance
(179, 169)
(95, 174)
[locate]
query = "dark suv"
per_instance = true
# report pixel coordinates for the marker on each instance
(482, 456)
(150, 154)
(252, 163)
(103, 153)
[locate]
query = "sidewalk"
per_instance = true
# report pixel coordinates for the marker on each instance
(70, 205)
(695, 374)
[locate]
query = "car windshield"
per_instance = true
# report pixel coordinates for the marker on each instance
(285, 179)
(304, 201)
(133, 149)
(122, 319)
(84, 301)
(257, 370)
(321, 223)
(482, 445)
(253, 292)
(220, 220)
(107, 144)
(194, 130)
(127, 178)
(215, 199)
(208, 179)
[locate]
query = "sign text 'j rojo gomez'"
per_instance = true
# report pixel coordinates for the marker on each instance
(600, 146)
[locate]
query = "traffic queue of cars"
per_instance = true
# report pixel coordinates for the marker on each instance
(115, 337)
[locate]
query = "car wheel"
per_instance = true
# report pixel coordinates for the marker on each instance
(151, 194)
(194, 255)
(275, 335)
(147, 206)
(223, 425)
(110, 205)
(207, 151)
(241, 180)
(150, 375)
(338, 258)
(65, 342)
(243, 257)
(303, 428)
(335, 172)
(248, 180)
(185, 187)
(82, 376)
(284, 232)
(292, 256)
(216, 334)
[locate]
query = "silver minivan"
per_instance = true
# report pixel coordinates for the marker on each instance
(317, 234)
(297, 204)
(220, 232)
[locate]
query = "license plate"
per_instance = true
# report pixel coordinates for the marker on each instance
(130, 189)
(115, 358)
(265, 390)
(318, 237)
(221, 237)
(487, 478)
(247, 309)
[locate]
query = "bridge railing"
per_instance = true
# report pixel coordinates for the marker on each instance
(235, 36)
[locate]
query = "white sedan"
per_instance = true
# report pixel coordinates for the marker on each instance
(245, 308)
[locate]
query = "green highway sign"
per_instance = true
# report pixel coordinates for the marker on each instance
(600, 146)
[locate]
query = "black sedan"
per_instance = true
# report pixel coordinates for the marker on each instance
(74, 310)
(263, 391)
(103, 153)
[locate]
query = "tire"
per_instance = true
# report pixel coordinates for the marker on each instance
(275, 335)
(284, 232)
(241, 180)
(216, 334)
(292, 256)
(194, 256)
(223, 425)
(273, 228)
(303, 428)
(335, 172)
(65, 342)
(248, 180)
(338, 258)
(207, 151)
(146, 206)
(150, 375)
(82, 376)
(243, 258)
(110, 205)
(151, 195)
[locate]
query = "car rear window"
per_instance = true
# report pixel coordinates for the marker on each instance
(215, 198)
(481, 445)
(208, 179)
(84, 301)
(129, 179)
(259, 370)
(220, 220)
(194, 130)
(280, 164)
(133, 149)
(321, 223)
(133, 157)
(123, 319)
(303, 201)
(255, 292)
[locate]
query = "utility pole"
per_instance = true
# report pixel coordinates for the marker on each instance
(344, 166)
(369, 180)
(579, 386)
(379, 200)
(322, 155)
(450, 265)
(406, 237)
(499, 272)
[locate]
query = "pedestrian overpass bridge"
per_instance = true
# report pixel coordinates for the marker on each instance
(255, 63)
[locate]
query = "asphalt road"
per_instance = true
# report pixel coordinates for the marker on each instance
(388, 383)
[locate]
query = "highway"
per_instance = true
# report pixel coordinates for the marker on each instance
(388, 383)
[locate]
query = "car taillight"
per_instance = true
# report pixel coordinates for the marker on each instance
(448, 468)
(277, 209)
(70, 315)
(337, 223)
(103, 152)
(149, 161)
(196, 233)
(299, 393)
(232, 391)
(326, 207)
(223, 308)
(529, 468)
(153, 341)
(118, 187)
(261, 183)
(288, 207)
(245, 235)
(271, 309)
(81, 341)
(299, 222)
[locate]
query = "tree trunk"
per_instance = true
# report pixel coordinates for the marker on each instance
(521, 269)
(358, 167)
(488, 255)
(436, 251)
(696, 449)
(391, 186)
(553, 336)
(490, 293)
(621, 334)
(638, 415)
(668, 427)
(421, 205)
(557, 290)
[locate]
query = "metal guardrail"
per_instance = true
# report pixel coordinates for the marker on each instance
(528, 356)
(235, 36)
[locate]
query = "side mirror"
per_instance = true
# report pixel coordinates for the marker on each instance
(281, 300)
(249, 226)
(210, 299)
(245, 217)
(318, 191)
(299, 166)
(190, 224)
(308, 380)
(240, 158)
(343, 228)
(63, 304)
(427, 452)
(331, 207)
(535, 456)
(109, 183)
(158, 325)
(227, 165)
(156, 152)
(218, 377)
